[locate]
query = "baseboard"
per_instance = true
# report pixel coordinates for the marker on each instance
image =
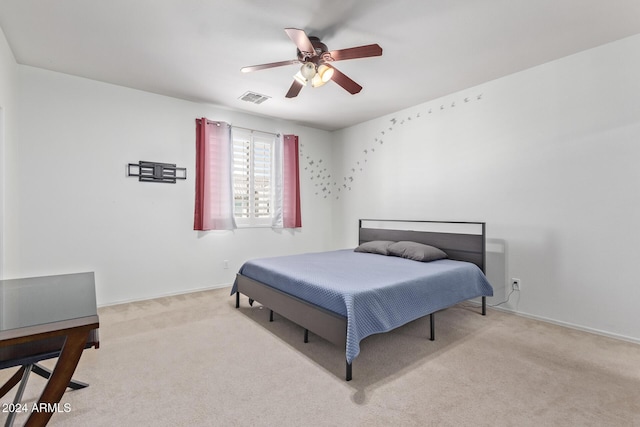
(170, 294)
(565, 324)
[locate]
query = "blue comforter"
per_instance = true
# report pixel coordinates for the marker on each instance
(376, 293)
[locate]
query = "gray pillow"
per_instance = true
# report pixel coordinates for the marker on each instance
(416, 251)
(380, 247)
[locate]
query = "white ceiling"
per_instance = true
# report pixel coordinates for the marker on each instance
(194, 49)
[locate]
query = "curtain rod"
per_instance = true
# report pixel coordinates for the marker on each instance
(255, 130)
(251, 130)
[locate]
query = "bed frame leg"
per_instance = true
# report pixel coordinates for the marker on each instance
(306, 336)
(270, 315)
(237, 299)
(348, 377)
(433, 327)
(484, 306)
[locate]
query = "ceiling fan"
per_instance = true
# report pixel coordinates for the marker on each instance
(316, 63)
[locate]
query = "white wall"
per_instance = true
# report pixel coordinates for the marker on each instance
(548, 157)
(70, 207)
(7, 102)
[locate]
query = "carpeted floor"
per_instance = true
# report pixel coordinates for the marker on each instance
(194, 360)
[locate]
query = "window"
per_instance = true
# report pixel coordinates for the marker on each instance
(253, 178)
(250, 179)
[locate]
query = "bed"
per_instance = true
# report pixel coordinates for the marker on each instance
(344, 296)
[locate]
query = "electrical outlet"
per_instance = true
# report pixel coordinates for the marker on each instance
(225, 264)
(515, 284)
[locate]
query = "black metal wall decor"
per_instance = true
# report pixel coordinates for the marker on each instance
(156, 172)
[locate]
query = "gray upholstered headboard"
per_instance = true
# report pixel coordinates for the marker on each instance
(462, 241)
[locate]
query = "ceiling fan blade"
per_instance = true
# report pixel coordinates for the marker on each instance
(270, 65)
(300, 38)
(294, 90)
(344, 81)
(356, 52)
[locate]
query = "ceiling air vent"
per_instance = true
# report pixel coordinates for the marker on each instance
(256, 98)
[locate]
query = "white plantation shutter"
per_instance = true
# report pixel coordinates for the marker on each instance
(253, 178)
(262, 178)
(241, 177)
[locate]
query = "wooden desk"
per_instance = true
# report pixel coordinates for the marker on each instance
(36, 315)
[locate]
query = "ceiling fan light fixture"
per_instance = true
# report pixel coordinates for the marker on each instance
(308, 70)
(300, 78)
(317, 81)
(323, 75)
(325, 72)
(314, 58)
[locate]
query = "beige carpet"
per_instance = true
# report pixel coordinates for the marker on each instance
(194, 360)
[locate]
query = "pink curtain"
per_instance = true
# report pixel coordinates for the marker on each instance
(214, 193)
(291, 216)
